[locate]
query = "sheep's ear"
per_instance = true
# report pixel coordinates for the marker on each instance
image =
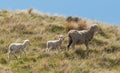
(59, 36)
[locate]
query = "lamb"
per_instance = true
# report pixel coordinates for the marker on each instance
(55, 44)
(81, 37)
(18, 47)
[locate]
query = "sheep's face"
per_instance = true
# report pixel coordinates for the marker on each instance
(94, 27)
(61, 37)
(27, 42)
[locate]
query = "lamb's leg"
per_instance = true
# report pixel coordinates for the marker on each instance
(20, 53)
(58, 49)
(24, 53)
(69, 43)
(9, 53)
(14, 55)
(46, 49)
(49, 49)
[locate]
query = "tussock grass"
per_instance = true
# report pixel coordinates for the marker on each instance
(75, 23)
(112, 48)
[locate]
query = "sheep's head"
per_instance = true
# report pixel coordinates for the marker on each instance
(27, 42)
(94, 27)
(61, 37)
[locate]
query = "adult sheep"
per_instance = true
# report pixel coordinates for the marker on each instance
(81, 37)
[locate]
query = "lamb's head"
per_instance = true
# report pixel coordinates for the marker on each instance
(61, 37)
(94, 27)
(27, 42)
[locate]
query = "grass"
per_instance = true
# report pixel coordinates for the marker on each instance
(16, 26)
(55, 28)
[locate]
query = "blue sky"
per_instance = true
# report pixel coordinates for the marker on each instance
(107, 11)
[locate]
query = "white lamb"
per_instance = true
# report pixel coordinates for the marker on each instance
(18, 47)
(55, 44)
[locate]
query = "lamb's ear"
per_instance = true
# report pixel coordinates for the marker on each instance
(59, 36)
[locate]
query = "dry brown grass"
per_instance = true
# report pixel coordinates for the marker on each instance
(82, 24)
(76, 23)
(65, 66)
(69, 26)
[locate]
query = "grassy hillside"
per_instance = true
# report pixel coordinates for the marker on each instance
(16, 26)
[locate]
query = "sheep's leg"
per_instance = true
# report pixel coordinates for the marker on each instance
(87, 48)
(69, 43)
(24, 53)
(9, 53)
(14, 55)
(20, 53)
(73, 45)
(86, 44)
(58, 49)
(49, 49)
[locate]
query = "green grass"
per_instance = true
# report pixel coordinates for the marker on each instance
(16, 26)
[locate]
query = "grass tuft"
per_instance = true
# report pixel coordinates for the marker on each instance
(3, 61)
(55, 28)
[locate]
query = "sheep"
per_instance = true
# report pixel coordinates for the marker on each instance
(54, 43)
(18, 47)
(81, 37)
